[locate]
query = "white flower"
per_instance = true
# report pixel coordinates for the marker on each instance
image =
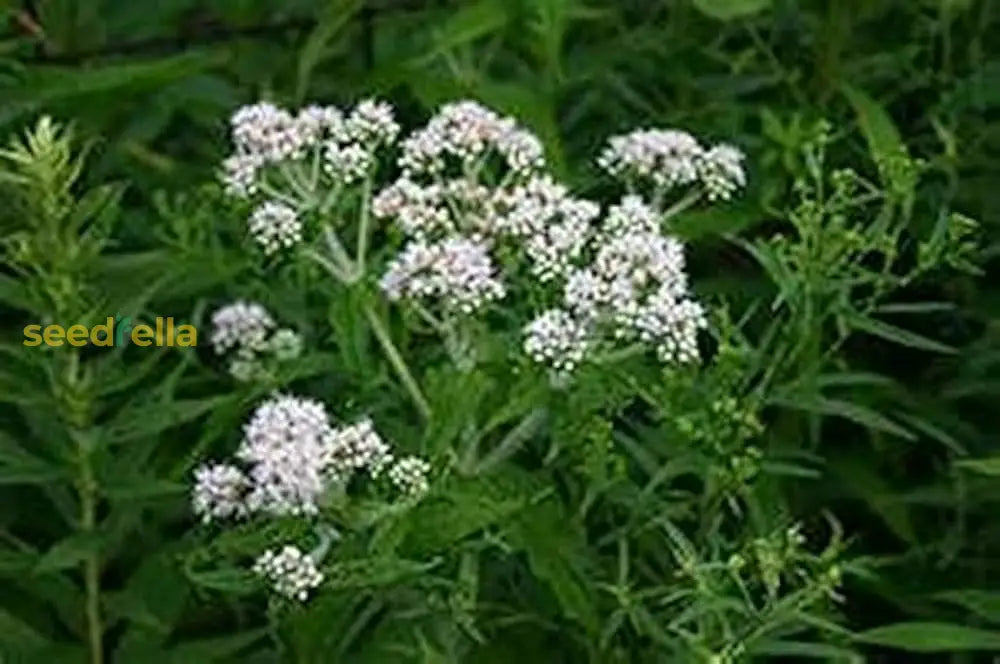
(346, 164)
(219, 492)
(557, 339)
(409, 476)
(634, 263)
(631, 215)
(240, 325)
(671, 325)
(584, 293)
(317, 122)
(372, 122)
(270, 133)
(667, 157)
(419, 210)
(275, 226)
(291, 573)
(288, 444)
(357, 447)
(721, 172)
(458, 271)
(239, 174)
(466, 131)
(556, 247)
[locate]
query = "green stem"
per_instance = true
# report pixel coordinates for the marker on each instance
(339, 254)
(397, 361)
(363, 225)
(277, 195)
(684, 203)
(91, 565)
(513, 440)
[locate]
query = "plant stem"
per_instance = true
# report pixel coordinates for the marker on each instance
(363, 223)
(684, 203)
(397, 361)
(513, 440)
(91, 565)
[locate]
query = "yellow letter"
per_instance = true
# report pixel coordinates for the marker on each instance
(107, 341)
(76, 335)
(141, 335)
(187, 335)
(32, 336)
(53, 335)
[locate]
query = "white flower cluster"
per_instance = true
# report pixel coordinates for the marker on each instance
(469, 133)
(293, 454)
(442, 202)
(295, 159)
(551, 226)
(248, 332)
(291, 573)
(669, 158)
(456, 271)
(219, 492)
(275, 226)
(558, 339)
(632, 288)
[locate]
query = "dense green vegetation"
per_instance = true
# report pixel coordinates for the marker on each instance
(822, 485)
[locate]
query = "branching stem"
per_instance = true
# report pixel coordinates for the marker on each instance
(397, 361)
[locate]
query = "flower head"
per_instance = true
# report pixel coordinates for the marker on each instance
(557, 339)
(240, 325)
(458, 272)
(291, 573)
(275, 226)
(219, 492)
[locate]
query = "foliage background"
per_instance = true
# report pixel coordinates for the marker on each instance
(149, 85)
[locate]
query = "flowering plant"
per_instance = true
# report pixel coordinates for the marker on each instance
(536, 297)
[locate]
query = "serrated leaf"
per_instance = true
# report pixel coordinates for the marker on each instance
(932, 637)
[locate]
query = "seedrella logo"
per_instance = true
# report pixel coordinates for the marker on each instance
(115, 331)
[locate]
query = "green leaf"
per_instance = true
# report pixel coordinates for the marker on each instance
(727, 10)
(884, 141)
(69, 552)
(215, 650)
(336, 15)
(18, 634)
(932, 637)
(858, 477)
(862, 415)
(988, 466)
(468, 24)
(896, 334)
(557, 555)
(981, 602)
(149, 419)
